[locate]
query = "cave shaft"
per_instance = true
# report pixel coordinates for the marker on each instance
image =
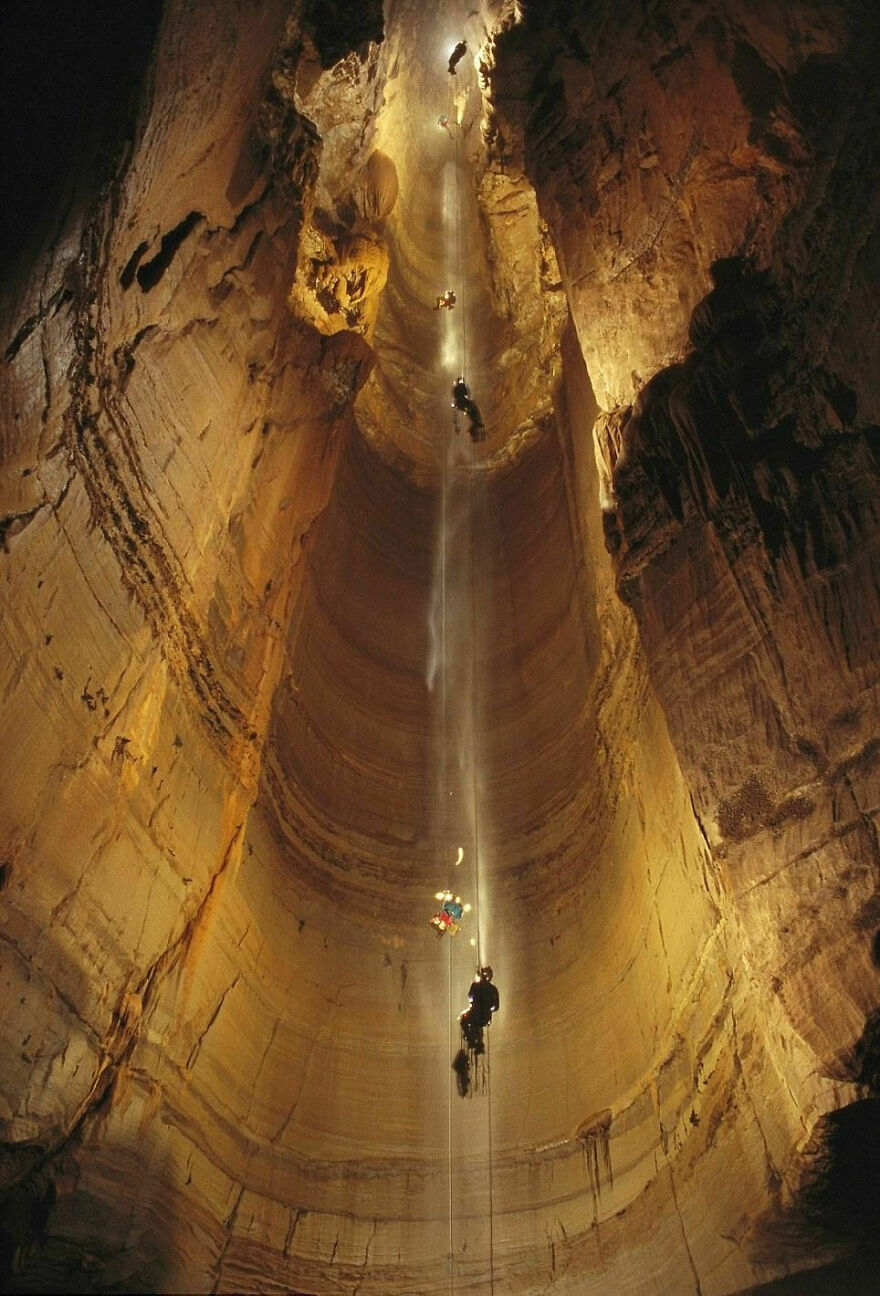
(283, 642)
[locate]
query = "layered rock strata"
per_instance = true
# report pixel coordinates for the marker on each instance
(739, 483)
(280, 640)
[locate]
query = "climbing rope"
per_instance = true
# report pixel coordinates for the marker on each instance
(480, 1063)
(484, 1062)
(444, 813)
(459, 259)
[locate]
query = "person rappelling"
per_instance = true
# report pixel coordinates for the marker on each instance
(448, 919)
(469, 1062)
(484, 1003)
(445, 301)
(462, 400)
(457, 55)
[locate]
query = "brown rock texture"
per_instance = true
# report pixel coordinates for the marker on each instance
(282, 642)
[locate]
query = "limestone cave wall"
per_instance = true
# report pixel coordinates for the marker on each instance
(280, 639)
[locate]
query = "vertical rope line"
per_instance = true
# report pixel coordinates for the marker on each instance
(463, 303)
(444, 793)
(491, 1162)
(449, 1128)
(444, 781)
(459, 269)
(474, 689)
(463, 299)
(474, 797)
(479, 895)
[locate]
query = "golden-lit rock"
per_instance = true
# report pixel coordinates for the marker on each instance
(340, 289)
(286, 652)
(376, 190)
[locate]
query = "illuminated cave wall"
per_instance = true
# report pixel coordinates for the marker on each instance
(236, 761)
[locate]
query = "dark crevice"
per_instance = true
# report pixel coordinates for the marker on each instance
(841, 1195)
(126, 279)
(69, 86)
(152, 271)
(33, 321)
(758, 85)
(836, 1208)
(866, 1063)
(854, 1276)
(15, 522)
(339, 27)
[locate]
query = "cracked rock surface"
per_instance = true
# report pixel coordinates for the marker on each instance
(245, 732)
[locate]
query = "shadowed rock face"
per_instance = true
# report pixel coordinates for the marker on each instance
(281, 639)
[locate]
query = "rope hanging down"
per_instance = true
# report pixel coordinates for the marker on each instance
(475, 1036)
(444, 812)
(461, 395)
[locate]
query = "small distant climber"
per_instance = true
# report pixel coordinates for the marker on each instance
(457, 55)
(450, 914)
(446, 301)
(484, 1002)
(444, 122)
(462, 400)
